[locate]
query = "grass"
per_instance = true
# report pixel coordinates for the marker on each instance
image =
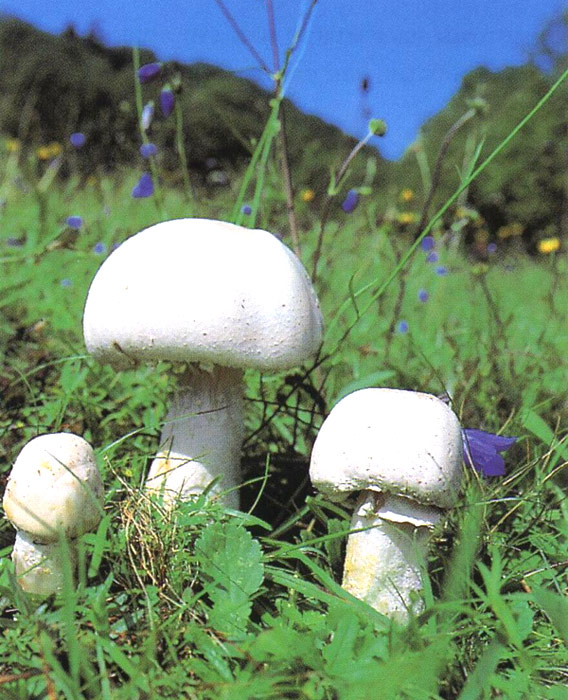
(201, 602)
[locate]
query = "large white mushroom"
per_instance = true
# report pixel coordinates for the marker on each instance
(401, 451)
(220, 298)
(54, 490)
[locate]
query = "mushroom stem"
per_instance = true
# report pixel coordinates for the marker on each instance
(40, 567)
(202, 437)
(384, 562)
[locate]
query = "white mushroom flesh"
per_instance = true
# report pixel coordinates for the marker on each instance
(40, 567)
(385, 560)
(202, 437)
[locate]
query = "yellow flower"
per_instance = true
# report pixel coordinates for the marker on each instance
(548, 245)
(407, 195)
(12, 145)
(514, 229)
(307, 195)
(52, 150)
(406, 217)
(43, 153)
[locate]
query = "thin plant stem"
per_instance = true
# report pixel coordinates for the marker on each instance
(332, 191)
(242, 36)
(158, 199)
(180, 146)
(434, 182)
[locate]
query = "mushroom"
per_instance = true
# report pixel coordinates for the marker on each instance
(54, 490)
(402, 452)
(220, 298)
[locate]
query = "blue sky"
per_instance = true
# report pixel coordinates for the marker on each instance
(413, 52)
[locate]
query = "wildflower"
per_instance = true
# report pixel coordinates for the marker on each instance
(548, 245)
(513, 229)
(432, 257)
(407, 195)
(77, 139)
(147, 115)
(167, 101)
(148, 72)
(406, 217)
(441, 271)
(148, 149)
(423, 295)
(482, 451)
(492, 248)
(66, 282)
(51, 150)
(144, 187)
(427, 243)
(350, 202)
(99, 248)
(246, 209)
(74, 222)
(307, 195)
(402, 327)
(12, 145)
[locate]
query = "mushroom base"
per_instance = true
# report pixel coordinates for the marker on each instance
(384, 563)
(202, 437)
(40, 568)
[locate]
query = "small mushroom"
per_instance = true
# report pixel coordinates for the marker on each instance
(401, 451)
(220, 298)
(54, 490)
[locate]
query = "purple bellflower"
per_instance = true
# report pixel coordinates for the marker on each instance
(432, 257)
(482, 451)
(148, 149)
(427, 243)
(77, 139)
(144, 187)
(402, 326)
(167, 101)
(147, 115)
(149, 71)
(246, 209)
(74, 222)
(350, 202)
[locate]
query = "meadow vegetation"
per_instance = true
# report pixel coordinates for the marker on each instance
(203, 602)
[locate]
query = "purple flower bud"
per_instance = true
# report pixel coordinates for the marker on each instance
(423, 295)
(66, 282)
(167, 101)
(432, 257)
(74, 222)
(149, 71)
(441, 271)
(492, 248)
(148, 149)
(427, 243)
(481, 451)
(99, 248)
(77, 139)
(402, 327)
(147, 115)
(246, 209)
(144, 187)
(350, 202)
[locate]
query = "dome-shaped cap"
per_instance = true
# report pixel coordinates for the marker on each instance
(400, 442)
(202, 290)
(54, 486)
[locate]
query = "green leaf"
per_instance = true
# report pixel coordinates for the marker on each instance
(231, 562)
(556, 607)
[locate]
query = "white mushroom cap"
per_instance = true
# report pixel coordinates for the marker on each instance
(198, 290)
(39, 567)
(54, 486)
(400, 442)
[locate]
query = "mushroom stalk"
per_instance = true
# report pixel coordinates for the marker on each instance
(40, 567)
(202, 437)
(384, 561)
